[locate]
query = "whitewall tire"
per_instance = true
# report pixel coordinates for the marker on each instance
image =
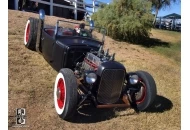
(65, 94)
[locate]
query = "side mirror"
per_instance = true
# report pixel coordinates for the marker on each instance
(91, 25)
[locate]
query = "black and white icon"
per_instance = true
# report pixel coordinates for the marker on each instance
(20, 116)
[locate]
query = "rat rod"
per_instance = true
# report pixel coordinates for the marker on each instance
(86, 73)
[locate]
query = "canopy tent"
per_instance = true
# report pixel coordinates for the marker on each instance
(169, 21)
(172, 16)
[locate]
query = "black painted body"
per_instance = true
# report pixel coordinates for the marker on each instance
(66, 51)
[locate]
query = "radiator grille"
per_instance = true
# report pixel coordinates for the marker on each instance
(110, 85)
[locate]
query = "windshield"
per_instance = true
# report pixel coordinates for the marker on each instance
(68, 28)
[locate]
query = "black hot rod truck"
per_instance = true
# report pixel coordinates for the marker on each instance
(85, 71)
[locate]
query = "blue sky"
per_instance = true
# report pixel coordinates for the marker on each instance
(174, 8)
(105, 1)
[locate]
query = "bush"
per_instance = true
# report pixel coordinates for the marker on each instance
(125, 19)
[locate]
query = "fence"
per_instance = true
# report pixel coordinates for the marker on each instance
(75, 2)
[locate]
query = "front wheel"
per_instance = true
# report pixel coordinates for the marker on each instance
(147, 91)
(65, 94)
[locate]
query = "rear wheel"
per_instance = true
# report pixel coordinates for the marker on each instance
(147, 91)
(30, 33)
(65, 93)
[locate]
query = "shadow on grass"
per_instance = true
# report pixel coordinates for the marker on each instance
(161, 104)
(152, 42)
(147, 42)
(89, 114)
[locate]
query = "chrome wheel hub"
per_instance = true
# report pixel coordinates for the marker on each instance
(139, 94)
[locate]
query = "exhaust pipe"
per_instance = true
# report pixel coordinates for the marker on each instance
(112, 105)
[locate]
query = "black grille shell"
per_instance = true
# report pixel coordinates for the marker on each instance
(110, 86)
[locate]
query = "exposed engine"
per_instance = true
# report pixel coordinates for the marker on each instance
(94, 59)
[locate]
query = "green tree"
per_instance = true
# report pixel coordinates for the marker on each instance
(102, 5)
(129, 20)
(160, 4)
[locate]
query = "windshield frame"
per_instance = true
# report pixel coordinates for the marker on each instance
(95, 27)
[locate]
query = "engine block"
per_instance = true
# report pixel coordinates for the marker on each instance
(91, 62)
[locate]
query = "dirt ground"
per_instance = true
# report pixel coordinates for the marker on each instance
(31, 82)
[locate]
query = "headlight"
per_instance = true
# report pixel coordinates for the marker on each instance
(91, 78)
(133, 79)
(42, 14)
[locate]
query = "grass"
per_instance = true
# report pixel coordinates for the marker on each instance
(167, 43)
(172, 52)
(167, 36)
(164, 42)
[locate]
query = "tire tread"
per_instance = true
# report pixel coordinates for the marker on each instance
(33, 33)
(71, 99)
(151, 91)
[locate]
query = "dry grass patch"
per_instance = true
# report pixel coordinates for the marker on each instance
(167, 36)
(172, 47)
